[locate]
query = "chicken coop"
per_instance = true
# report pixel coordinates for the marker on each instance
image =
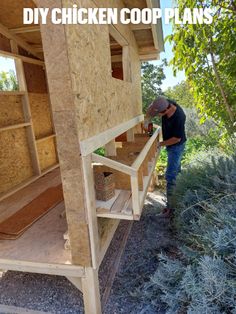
(73, 158)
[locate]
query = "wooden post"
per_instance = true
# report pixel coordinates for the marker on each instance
(110, 148)
(91, 293)
(130, 135)
(26, 111)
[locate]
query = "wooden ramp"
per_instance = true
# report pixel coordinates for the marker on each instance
(14, 226)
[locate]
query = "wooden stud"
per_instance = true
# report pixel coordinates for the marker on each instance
(15, 126)
(110, 148)
(130, 135)
(26, 29)
(127, 77)
(113, 164)
(135, 195)
(26, 111)
(23, 58)
(91, 293)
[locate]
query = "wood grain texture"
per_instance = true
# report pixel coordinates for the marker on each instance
(15, 162)
(11, 110)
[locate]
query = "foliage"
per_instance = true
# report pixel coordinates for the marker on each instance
(152, 77)
(100, 151)
(203, 277)
(8, 81)
(182, 94)
(207, 53)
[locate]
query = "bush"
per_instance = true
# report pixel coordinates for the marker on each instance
(203, 278)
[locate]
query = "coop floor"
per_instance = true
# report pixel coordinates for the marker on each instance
(52, 294)
(43, 242)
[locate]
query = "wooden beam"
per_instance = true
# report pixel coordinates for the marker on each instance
(126, 64)
(91, 293)
(15, 126)
(89, 145)
(113, 31)
(5, 32)
(135, 195)
(76, 281)
(149, 57)
(12, 93)
(113, 164)
(91, 209)
(110, 148)
(139, 160)
(141, 26)
(23, 58)
(43, 268)
(26, 29)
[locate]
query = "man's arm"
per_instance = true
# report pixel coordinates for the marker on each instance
(170, 141)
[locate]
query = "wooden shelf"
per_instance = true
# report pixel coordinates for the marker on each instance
(121, 206)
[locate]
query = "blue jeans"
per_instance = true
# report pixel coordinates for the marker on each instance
(174, 154)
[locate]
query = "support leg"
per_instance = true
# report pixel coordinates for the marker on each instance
(91, 293)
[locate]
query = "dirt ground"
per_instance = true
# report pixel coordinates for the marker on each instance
(52, 294)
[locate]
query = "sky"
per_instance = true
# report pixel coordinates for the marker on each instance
(170, 81)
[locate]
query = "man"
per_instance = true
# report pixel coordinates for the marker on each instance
(174, 138)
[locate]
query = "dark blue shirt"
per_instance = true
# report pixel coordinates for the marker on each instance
(174, 126)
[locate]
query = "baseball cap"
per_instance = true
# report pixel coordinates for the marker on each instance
(158, 105)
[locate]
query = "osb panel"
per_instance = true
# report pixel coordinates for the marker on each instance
(57, 66)
(15, 162)
(102, 102)
(11, 110)
(11, 12)
(35, 78)
(47, 153)
(5, 43)
(41, 115)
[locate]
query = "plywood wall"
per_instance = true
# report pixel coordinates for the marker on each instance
(15, 157)
(10, 110)
(15, 162)
(102, 102)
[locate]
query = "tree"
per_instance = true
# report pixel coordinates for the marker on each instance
(182, 94)
(8, 81)
(207, 53)
(152, 77)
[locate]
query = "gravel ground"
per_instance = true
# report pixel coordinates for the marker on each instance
(58, 296)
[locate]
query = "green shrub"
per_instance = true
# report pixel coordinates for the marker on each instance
(203, 277)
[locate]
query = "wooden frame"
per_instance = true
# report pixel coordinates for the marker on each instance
(89, 145)
(133, 171)
(28, 124)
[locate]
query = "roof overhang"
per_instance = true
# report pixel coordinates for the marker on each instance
(149, 37)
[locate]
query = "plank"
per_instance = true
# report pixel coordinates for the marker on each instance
(91, 144)
(15, 126)
(113, 164)
(23, 58)
(114, 264)
(121, 202)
